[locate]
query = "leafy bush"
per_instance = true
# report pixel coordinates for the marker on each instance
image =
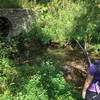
(4, 47)
(54, 83)
(32, 90)
(58, 21)
(45, 82)
(7, 74)
(9, 4)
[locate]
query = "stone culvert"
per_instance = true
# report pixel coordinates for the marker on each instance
(15, 21)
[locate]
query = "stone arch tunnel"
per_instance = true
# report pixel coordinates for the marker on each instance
(5, 26)
(16, 21)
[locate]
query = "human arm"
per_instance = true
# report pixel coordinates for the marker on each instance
(87, 83)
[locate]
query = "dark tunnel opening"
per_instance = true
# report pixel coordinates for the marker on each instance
(5, 27)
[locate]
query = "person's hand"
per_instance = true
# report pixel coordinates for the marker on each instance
(83, 94)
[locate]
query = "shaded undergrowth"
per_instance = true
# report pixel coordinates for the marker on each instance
(36, 79)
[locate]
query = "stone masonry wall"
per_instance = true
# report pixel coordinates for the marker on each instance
(20, 19)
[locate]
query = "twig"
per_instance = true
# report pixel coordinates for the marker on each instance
(84, 51)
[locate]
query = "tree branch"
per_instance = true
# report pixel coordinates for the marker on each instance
(84, 51)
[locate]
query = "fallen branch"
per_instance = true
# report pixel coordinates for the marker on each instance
(84, 51)
(24, 62)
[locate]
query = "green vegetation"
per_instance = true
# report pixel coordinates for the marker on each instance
(57, 21)
(39, 81)
(62, 20)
